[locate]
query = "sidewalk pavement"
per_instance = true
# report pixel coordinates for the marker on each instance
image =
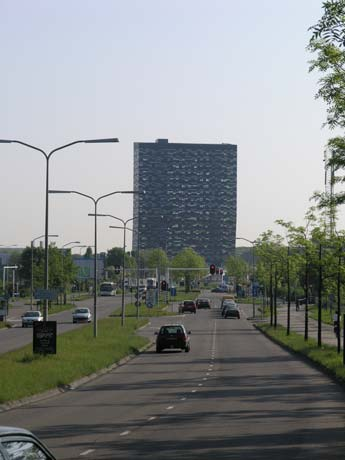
(297, 322)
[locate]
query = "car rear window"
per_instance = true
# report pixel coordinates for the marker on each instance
(171, 330)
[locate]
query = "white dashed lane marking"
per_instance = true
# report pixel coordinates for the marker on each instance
(124, 433)
(87, 452)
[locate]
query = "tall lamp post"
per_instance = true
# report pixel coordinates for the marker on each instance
(32, 264)
(95, 202)
(124, 228)
(253, 268)
(47, 156)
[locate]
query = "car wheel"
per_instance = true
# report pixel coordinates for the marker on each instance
(187, 349)
(158, 350)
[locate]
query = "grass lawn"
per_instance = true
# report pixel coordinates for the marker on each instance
(326, 356)
(78, 354)
(326, 315)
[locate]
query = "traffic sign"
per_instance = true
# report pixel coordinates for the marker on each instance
(46, 294)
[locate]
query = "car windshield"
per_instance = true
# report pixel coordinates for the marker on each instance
(82, 310)
(32, 313)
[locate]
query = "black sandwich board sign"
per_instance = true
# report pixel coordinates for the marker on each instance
(44, 341)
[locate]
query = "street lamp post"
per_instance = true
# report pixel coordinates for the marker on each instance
(253, 268)
(124, 228)
(95, 202)
(47, 157)
(32, 264)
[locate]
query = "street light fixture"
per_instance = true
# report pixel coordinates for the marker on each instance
(47, 157)
(32, 264)
(253, 268)
(124, 228)
(95, 202)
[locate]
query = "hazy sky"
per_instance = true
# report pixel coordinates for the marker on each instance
(207, 71)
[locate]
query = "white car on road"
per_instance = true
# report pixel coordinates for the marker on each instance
(30, 316)
(82, 315)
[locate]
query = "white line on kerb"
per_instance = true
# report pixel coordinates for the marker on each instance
(124, 433)
(87, 452)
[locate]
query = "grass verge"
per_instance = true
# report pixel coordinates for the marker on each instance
(326, 315)
(144, 311)
(79, 354)
(325, 357)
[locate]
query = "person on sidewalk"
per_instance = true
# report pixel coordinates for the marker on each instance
(336, 323)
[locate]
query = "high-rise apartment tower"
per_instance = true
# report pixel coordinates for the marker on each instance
(190, 198)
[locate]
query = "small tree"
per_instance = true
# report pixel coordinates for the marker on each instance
(188, 258)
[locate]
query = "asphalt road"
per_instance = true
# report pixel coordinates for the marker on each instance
(236, 395)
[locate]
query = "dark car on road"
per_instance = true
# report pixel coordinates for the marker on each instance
(203, 303)
(187, 305)
(231, 311)
(220, 289)
(172, 336)
(17, 443)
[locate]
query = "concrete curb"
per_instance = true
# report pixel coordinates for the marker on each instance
(305, 358)
(73, 385)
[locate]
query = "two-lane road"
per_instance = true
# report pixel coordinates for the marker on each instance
(236, 395)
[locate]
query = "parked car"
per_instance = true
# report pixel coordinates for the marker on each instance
(173, 336)
(203, 303)
(187, 305)
(30, 316)
(81, 315)
(231, 311)
(17, 443)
